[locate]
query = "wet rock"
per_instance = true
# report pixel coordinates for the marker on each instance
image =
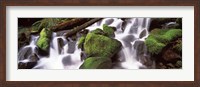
(32, 61)
(97, 63)
(67, 60)
(71, 46)
(43, 42)
(140, 47)
(24, 53)
(146, 60)
(128, 38)
(60, 44)
(83, 56)
(109, 21)
(109, 30)
(143, 34)
(101, 46)
(81, 42)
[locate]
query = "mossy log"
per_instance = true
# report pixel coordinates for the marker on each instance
(83, 26)
(70, 24)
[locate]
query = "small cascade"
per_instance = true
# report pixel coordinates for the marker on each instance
(131, 32)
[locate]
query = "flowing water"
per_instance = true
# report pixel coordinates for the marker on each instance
(131, 32)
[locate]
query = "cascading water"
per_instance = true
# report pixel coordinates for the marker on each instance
(131, 32)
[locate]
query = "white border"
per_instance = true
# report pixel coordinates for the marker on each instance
(185, 74)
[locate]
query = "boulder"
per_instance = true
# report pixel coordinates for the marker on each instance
(109, 30)
(60, 44)
(100, 46)
(32, 61)
(43, 43)
(97, 63)
(80, 42)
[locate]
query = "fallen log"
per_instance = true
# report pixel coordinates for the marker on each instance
(70, 24)
(81, 27)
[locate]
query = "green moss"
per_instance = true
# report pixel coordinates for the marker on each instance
(159, 38)
(178, 46)
(100, 46)
(96, 63)
(44, 40)
(108, 30)
(81, 41)
(98, 31)
(46, 23)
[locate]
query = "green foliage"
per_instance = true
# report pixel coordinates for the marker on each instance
(96, 63)
(81, 41)
(159, 38)
(100, 46)
(44, 40)
(46, 23)
(108, 30)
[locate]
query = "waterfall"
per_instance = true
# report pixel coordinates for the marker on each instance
(131, 32)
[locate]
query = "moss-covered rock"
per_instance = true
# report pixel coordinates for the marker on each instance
(108, 30)
(100, 46)
(81, 41)
(98, 31)
(43, 42)
(159, 38)
(97, 63)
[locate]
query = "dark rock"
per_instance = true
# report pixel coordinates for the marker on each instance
(24, 53)
(83, 56)
(143, 33)
(28, 65)
(159, 22)
(109, 21)
(140, 47)
(71, 46)
(67, 60)
(23, 40)
(146, 60)
(170, 55)
(32, 61)
(128, 38)
(60, 44)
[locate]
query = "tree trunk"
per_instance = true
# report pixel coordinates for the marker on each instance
(83, 26)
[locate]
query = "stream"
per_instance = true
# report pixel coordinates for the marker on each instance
(131, 32)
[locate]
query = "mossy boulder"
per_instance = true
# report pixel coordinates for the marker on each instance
(100, 46)
(109, 30)
(43, 42)
(97, 63)
(98, 31)
(81, 41)
(159, 38)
